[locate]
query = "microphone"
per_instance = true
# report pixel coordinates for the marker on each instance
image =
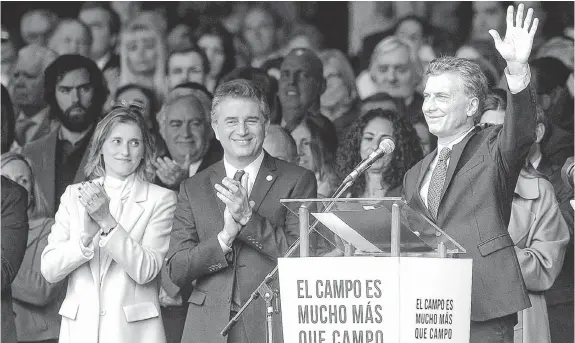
(386, 146)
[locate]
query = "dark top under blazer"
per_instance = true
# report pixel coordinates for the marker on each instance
(475, 206)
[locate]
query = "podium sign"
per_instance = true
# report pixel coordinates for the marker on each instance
(375, 299)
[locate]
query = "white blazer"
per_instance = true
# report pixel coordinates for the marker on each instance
(123, 306)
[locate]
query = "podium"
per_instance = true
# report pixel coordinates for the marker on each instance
(373, 270)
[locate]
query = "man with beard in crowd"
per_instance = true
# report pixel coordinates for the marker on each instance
(27, 93)
(76, 91)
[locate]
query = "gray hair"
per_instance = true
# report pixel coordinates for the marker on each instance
(202, 98)
(120, 114)
(344, 67)
(474, 80)
(393, 43)
(240, 89)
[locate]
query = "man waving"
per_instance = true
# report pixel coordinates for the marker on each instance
(466, 186)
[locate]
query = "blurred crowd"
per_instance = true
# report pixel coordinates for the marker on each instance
(329, 110)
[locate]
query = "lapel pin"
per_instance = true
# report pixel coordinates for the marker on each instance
(269, 177)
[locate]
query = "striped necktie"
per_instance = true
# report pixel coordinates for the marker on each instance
(436, 183)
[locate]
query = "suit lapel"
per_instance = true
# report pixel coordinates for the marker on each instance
(48, 169)
(456, 153)
(266, 177)
(130, 213)
(216, 176)
(44, 127)
(422, 171)
(80, 176)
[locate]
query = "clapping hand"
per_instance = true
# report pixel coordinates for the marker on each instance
(93, 197)
(170, 172)
(235, 195)
(515, 48)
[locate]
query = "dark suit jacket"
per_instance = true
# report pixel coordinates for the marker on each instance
(195, 253)
(14, 238)
(42, 154)
(48, 125)
(113, 62)
(475, 204)
(562, 290)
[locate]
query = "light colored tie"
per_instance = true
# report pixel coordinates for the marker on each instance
(437, 181)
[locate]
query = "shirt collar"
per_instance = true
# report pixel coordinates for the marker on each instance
(36, 119)
(458, 139)
(527, 186)
(252, 169)
(103, 60)
(193, 169)
(536, 161)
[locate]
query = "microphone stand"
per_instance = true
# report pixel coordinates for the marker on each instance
(265, 291)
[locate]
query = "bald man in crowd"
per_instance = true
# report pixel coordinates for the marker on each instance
(280, 144)
(27, 93)
(301, 84)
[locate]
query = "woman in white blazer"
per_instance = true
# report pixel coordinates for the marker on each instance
(110, 237)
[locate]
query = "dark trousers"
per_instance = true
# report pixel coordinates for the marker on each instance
(497, 330)
(238, 332)
(174, 319)
(561, 323)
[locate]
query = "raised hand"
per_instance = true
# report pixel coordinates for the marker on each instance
(516, 46)
(170, 172)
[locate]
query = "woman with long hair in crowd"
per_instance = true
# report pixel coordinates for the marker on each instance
(110, 236)
(218, 44)
(143, 54)
(316, 146)
(36, 301)
(340, 101)
(384, 178)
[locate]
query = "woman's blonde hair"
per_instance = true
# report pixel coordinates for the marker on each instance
(121, 113)
(144, 24)
(38, 204)
(344, 67)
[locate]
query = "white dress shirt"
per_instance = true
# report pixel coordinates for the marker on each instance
(516, 84)
(251, 172)
(193, 169)
(103, 60)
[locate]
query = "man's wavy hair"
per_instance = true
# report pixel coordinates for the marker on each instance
(240, 89)
(406, 154)
(121, 112)
(474, 80)
(66, 63)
